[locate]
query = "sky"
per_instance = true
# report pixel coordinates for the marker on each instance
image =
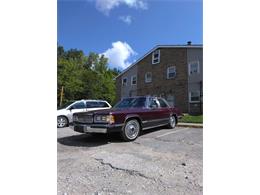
(125, 30)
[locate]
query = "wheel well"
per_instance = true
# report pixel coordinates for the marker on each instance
(176, 118)
(137, 118)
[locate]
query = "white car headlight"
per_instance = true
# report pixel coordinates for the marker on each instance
(75, 118)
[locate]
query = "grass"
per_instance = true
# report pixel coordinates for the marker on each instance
(191, 119)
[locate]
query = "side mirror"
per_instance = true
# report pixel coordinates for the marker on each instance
(71, 108)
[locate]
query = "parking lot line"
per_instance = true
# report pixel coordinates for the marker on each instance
(172, 132)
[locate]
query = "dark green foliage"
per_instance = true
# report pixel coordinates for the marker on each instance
(84, 77)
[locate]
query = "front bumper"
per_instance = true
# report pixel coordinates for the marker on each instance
(96, 128)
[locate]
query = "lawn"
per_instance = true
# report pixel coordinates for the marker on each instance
(191, 119)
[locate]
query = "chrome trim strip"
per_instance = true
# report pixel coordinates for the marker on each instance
(156, 120)
(154, 126)
(119, 125)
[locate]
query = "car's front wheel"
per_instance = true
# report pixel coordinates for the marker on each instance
(131, 130)
(172, 122)
(62, 121)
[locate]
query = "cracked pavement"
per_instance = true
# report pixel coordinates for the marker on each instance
(160, 161)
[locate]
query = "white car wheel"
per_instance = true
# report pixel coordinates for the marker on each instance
(62, 121)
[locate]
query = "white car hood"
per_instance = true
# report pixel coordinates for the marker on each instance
(62, 112)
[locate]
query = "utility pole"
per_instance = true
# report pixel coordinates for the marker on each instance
(61, 96)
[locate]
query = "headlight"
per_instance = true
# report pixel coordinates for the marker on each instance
(104, 119)
(110, 119)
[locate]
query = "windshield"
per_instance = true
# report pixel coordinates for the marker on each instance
(131, 103)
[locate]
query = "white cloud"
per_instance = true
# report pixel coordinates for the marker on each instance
(105, 6)
(119, 55)
(126, 19)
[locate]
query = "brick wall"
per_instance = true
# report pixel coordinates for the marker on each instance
(160, 85)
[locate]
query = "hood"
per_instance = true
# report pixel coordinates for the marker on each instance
(61, 111)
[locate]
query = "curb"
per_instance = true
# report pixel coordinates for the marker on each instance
(193, 125)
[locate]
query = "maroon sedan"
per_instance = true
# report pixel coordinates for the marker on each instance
(129, 117)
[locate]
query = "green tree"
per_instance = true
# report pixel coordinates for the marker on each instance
(84, 77)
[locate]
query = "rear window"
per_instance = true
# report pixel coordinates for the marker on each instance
(97, 104)
(103, 104)
(162, 103)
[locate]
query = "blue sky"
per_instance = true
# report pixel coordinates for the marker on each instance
(124, 30)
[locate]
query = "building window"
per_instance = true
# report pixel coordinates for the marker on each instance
(156, 57)
(148, 77)
(133, 80)
(170, 99)
(171, 72)
(194, 68)
(194, 96)
(124, 81)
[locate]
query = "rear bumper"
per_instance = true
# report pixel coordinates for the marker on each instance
(96, 128)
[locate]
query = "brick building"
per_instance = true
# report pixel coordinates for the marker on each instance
(174, 72)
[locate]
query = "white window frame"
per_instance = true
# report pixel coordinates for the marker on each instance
(196, 91)
(146, 81)
(123, 81)
(133, 79)
(168, 72)
(153, 58)
(198, 63)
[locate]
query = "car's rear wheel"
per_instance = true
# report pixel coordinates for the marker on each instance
(131, 130)
(172, 122)
(62, 121)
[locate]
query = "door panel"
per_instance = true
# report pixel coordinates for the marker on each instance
(153, 113)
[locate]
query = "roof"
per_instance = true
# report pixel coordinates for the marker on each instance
(157, 47)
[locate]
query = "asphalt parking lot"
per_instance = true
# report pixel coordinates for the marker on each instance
(160, 161)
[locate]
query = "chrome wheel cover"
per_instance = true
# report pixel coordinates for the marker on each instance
(132, 129)
(172, 121)
(61, 121)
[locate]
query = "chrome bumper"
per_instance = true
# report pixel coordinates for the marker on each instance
(89, 129)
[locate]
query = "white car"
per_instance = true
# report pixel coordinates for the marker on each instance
(65, 115)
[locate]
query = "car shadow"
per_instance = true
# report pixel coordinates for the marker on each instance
(90, 140)
(95, 140)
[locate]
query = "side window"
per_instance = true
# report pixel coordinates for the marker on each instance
(124, 81)
(194, 68)
(79, 105)
(133, 80)
(92, 105)
(170, 99)
(156, 57)
(153, 103)
(103, 104)
(194, 96)
(162, 103)
(171, 72)
(148, 77)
